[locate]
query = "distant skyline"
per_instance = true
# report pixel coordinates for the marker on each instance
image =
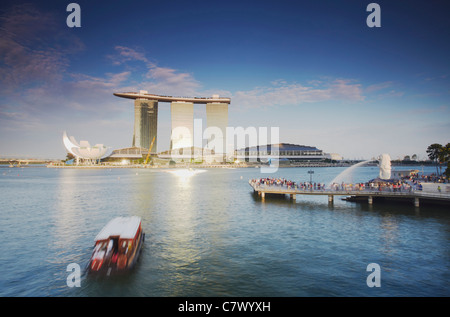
(312, 68)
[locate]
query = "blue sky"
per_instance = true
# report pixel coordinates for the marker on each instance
(312, 68)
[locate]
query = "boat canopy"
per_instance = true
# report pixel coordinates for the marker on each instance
(125, 227)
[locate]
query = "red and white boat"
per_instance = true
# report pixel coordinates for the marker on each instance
(117, 246)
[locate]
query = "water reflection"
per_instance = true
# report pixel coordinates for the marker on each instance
(389, 233)
(69, 204)
(184, 175)
(207, 234)
(180, 240)
(145, 192)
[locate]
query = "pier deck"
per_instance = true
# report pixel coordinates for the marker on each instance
(413, 195)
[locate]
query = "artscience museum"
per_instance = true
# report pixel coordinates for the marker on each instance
(83, 151)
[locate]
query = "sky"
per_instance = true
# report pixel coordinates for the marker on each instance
(314, 69)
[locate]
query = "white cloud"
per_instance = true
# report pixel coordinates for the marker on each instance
(32, 48)
(125, 54)
(378, 86)
(281, 93)
(169, 81)
(160, 80)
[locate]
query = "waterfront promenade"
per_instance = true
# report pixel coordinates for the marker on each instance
(369, 191)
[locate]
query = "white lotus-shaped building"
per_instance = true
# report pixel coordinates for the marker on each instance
(84, 150)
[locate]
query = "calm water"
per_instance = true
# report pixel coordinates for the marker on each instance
(209, 235)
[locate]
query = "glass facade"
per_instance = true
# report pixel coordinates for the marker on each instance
(145, 123)
(217, 117)
(292, 152)
(182, 114)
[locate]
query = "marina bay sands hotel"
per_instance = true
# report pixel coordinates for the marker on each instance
(182, 115)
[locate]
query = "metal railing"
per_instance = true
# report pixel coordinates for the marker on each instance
(310, 190)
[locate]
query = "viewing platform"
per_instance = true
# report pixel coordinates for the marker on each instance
(413, 195)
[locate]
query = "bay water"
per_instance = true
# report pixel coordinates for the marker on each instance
(208, 234)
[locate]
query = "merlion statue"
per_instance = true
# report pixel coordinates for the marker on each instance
(385, 166)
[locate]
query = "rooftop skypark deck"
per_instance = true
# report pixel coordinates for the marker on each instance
(197, 100)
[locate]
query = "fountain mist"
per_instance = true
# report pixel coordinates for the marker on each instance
(347, 174)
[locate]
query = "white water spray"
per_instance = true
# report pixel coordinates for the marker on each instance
(346, 175)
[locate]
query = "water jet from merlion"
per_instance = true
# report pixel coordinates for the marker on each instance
(347, 174)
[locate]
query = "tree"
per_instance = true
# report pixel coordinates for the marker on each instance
(434, 153)
(444, 153)
(69, 156)
(445, 157)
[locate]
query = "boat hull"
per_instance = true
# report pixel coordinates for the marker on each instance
(109, 267)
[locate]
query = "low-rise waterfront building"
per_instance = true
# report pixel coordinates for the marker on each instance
(283, 152)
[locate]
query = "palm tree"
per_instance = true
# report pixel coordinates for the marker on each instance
(435, 153)
(69, 156)
(445, 157)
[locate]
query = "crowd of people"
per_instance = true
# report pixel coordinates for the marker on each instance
(282, 182)
(398, 186)
(432, 178)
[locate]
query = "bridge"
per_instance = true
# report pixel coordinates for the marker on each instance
(370, 194)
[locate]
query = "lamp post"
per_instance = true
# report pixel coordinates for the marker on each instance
(310, 172)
